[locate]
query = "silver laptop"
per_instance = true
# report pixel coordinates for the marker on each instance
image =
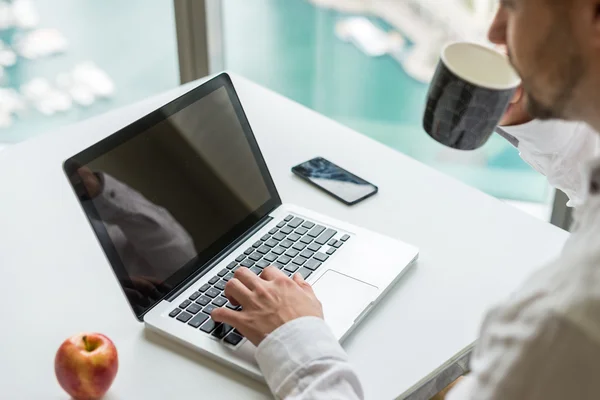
(182, 198)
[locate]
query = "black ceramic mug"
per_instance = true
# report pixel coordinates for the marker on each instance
(468, 96)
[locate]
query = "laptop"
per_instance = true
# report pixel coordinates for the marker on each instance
(182, 198)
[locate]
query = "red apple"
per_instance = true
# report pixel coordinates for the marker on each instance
(86, 365)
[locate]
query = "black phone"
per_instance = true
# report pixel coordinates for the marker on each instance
(341, 184)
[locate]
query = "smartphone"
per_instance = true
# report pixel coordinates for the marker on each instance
(341, 184)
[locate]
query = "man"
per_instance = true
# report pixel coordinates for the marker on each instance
(544, 342)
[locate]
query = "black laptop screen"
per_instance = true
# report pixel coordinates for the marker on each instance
(170, 192)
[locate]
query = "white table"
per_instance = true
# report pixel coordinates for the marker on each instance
(56, 281)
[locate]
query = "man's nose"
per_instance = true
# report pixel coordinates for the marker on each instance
(497, 32)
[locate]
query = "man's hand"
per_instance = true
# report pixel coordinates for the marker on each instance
(90, 181)
(516, 114)
(268, 302)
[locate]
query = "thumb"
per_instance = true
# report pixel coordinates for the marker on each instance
(302, 283)
(226, 315)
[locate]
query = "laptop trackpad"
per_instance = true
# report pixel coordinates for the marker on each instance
(343, 299)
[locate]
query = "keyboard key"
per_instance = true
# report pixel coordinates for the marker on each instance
(238, 332)
(255, 256)
(265, 237)
(203, 300)
(295, 222)
(232, 307)
(257, 244)
(247, 263)
(270, 257)
(212, 293)
(223, 272)
(264, 249)
(185, 304)
(284, 260)
(256, 270)
(299, 260)
(320, 256)
(305, 272)
(345, 238)
(204, 288)
(222, 330)
(227, 277)
(288, 273)
(219, 301)
(208, 326)
(271, 243)
(299, 246)
(248, 251)
(330, 251)
(332, 242)
(198, 320)
(235, 269)
(174, 312)
(301, 231)
(220, 285)
(184, 317)
(307, 254)
(273, 231)
(240, 258)
(278, 265)
(233, 338)
(193, 308)
(286, 244)
(286, 230)
(194, 296)
(278, 250)
(338, 244)
(291, 253)
(314, 247)
(232, 264)
(262, 264)
(214, 279)
(306, 239)
(316, 231)
(281, 224)
(325, 236)
(293, 237)
(208, 309)
(291, 267)
(288, 218)
(312, 264)
(278, 236)
(308, 225)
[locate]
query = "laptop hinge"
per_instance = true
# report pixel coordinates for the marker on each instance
(220, 257)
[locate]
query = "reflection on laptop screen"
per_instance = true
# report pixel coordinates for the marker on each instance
(169, 193)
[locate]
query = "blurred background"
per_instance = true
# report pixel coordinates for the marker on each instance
(364, 63)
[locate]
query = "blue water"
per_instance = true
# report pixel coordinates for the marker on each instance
(290, 46)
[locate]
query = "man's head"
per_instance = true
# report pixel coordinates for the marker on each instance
(555, 46)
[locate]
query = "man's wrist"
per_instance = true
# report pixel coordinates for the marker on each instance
(308, 338)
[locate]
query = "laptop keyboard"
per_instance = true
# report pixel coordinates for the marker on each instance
(295, 246)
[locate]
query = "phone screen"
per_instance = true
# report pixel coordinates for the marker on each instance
(342, 184)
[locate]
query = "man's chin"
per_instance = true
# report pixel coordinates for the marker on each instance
(540, 111)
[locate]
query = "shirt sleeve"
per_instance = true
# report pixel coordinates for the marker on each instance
(302, 360)
(520, 357)
(558, 150)
(152, 230)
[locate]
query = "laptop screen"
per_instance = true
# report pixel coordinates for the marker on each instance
(173, 190)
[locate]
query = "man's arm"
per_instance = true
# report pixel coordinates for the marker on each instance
(151, 230)
(296, 351)
(528, 353)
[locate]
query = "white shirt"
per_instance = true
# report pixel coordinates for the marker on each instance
(542, 343)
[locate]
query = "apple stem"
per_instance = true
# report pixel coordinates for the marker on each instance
(85, 342)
